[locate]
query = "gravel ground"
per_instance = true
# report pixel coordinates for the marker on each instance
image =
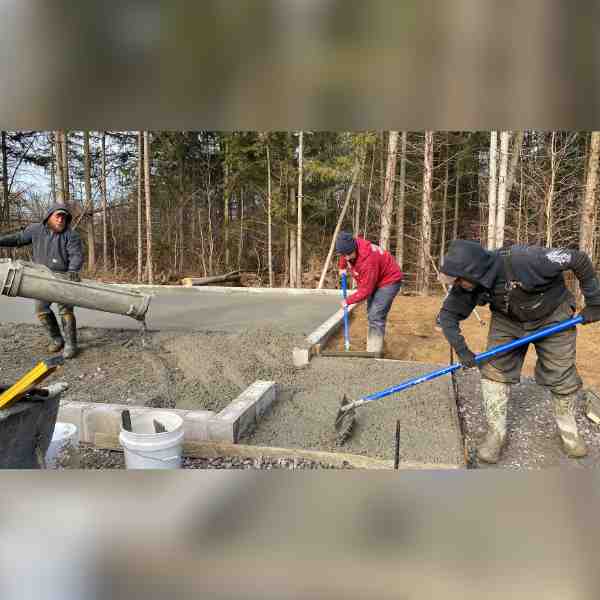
(94, 459)
(533, 440)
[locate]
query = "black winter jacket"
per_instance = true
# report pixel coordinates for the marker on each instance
(58, 251)
(537, 271)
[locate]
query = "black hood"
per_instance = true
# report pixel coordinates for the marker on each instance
(56, 207)
(469, 260)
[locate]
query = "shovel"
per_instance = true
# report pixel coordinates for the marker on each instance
(346, 416)
(346, 353)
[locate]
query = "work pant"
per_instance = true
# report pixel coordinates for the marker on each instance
(378, 306)
(555, 367)
(42, 307)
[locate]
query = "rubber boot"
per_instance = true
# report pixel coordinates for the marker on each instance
(495, 405)
(48, 320)
(70, 332)
(375, 342)
(564, 414)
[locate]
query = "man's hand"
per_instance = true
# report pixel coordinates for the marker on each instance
(74, 276)
(590, 314)
(344, 304)
(467, 359)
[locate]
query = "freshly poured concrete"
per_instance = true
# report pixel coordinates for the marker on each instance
(429, 430)
(193, 309)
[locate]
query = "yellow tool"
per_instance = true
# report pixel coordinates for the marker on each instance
(42, 370)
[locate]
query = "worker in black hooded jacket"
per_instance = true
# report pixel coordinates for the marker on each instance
(58, 247)
(525, 289)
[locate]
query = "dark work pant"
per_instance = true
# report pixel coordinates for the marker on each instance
(44, 307)
(379, 304)
(555, 367)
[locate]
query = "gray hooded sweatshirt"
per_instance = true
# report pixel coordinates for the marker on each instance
(60, 252)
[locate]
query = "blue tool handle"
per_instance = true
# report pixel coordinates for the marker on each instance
(542, 333)
(344, 293)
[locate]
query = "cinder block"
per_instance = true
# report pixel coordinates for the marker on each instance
(196, 425)
(222, 430)
(72, 412)
(267, 396)
(300, 357)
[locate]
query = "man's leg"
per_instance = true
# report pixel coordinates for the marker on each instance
(497, 376)
(69, 325)
(556, 369)
(48, 320)
(378, 307)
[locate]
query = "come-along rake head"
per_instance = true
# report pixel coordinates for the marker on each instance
(346, 415)
(344, 420)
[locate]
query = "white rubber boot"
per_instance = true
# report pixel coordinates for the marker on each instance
(564, 414)
(495, 406)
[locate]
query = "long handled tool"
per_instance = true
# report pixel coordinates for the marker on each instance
(346, 353)
(346, 416)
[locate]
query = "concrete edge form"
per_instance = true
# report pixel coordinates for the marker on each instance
(241, 414)
(319, 337)
(232, 290)
(208, 450)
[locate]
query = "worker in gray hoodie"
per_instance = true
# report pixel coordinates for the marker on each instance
(58, 247)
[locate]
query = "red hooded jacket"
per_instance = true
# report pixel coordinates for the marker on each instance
(373, 268)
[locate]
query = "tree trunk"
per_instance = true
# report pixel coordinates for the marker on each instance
(226, 206)
(5, 204)
(502, 190)
(401, 199)
(149, 267)
(241, 241)
(269, 217)
(588, 208)
(58, 141)
(293, 237)
(299, 242)
(104, 206)
(51, 140)
(456, 204)
(492, 194)
(65, 161)
(387, 208)
(89, 202)
(514, 161)
(366, 225)
(355, 174)
(425, 252)
(140, 177)
(357, 207)
(550, 193)
(444, 212)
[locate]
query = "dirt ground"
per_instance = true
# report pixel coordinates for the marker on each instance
(411, 335)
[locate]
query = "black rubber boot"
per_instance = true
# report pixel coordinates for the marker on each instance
(48, 320)
(69, 325)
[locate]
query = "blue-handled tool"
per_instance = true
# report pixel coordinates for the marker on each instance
(346, 328)
(345, 418)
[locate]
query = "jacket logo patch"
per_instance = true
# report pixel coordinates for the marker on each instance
(559, 256)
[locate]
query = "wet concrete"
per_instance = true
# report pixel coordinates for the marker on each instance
(191, 309)
(305, 416)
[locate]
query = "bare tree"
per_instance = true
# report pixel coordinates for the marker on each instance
(456, 199)
(65, 161)
(5, 205)
(89, 202)
(550, 192)
(300, 178)
(444, 210)
(226, 191)
(149, 267)
(492, 194)
(269, 215)
(502, 189)
(387, 208)
(401, 198)
(425, 252)
(60, 177)
(588, 208)
(140, 183)
(104, 206)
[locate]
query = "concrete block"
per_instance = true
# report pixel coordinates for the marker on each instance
(104, 419)
(195, 425)
(72, 412)
(242, 414)
(300, 357)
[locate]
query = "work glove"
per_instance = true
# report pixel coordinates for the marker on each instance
(74, 276)
(467, 358)
(590, 314)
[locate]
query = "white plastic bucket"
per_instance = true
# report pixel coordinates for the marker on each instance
(64, 446)
(145, 449)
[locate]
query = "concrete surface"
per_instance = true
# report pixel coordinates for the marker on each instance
(305, 415)
(191, 309)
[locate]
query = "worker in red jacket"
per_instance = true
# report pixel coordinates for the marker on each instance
(379, 280)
